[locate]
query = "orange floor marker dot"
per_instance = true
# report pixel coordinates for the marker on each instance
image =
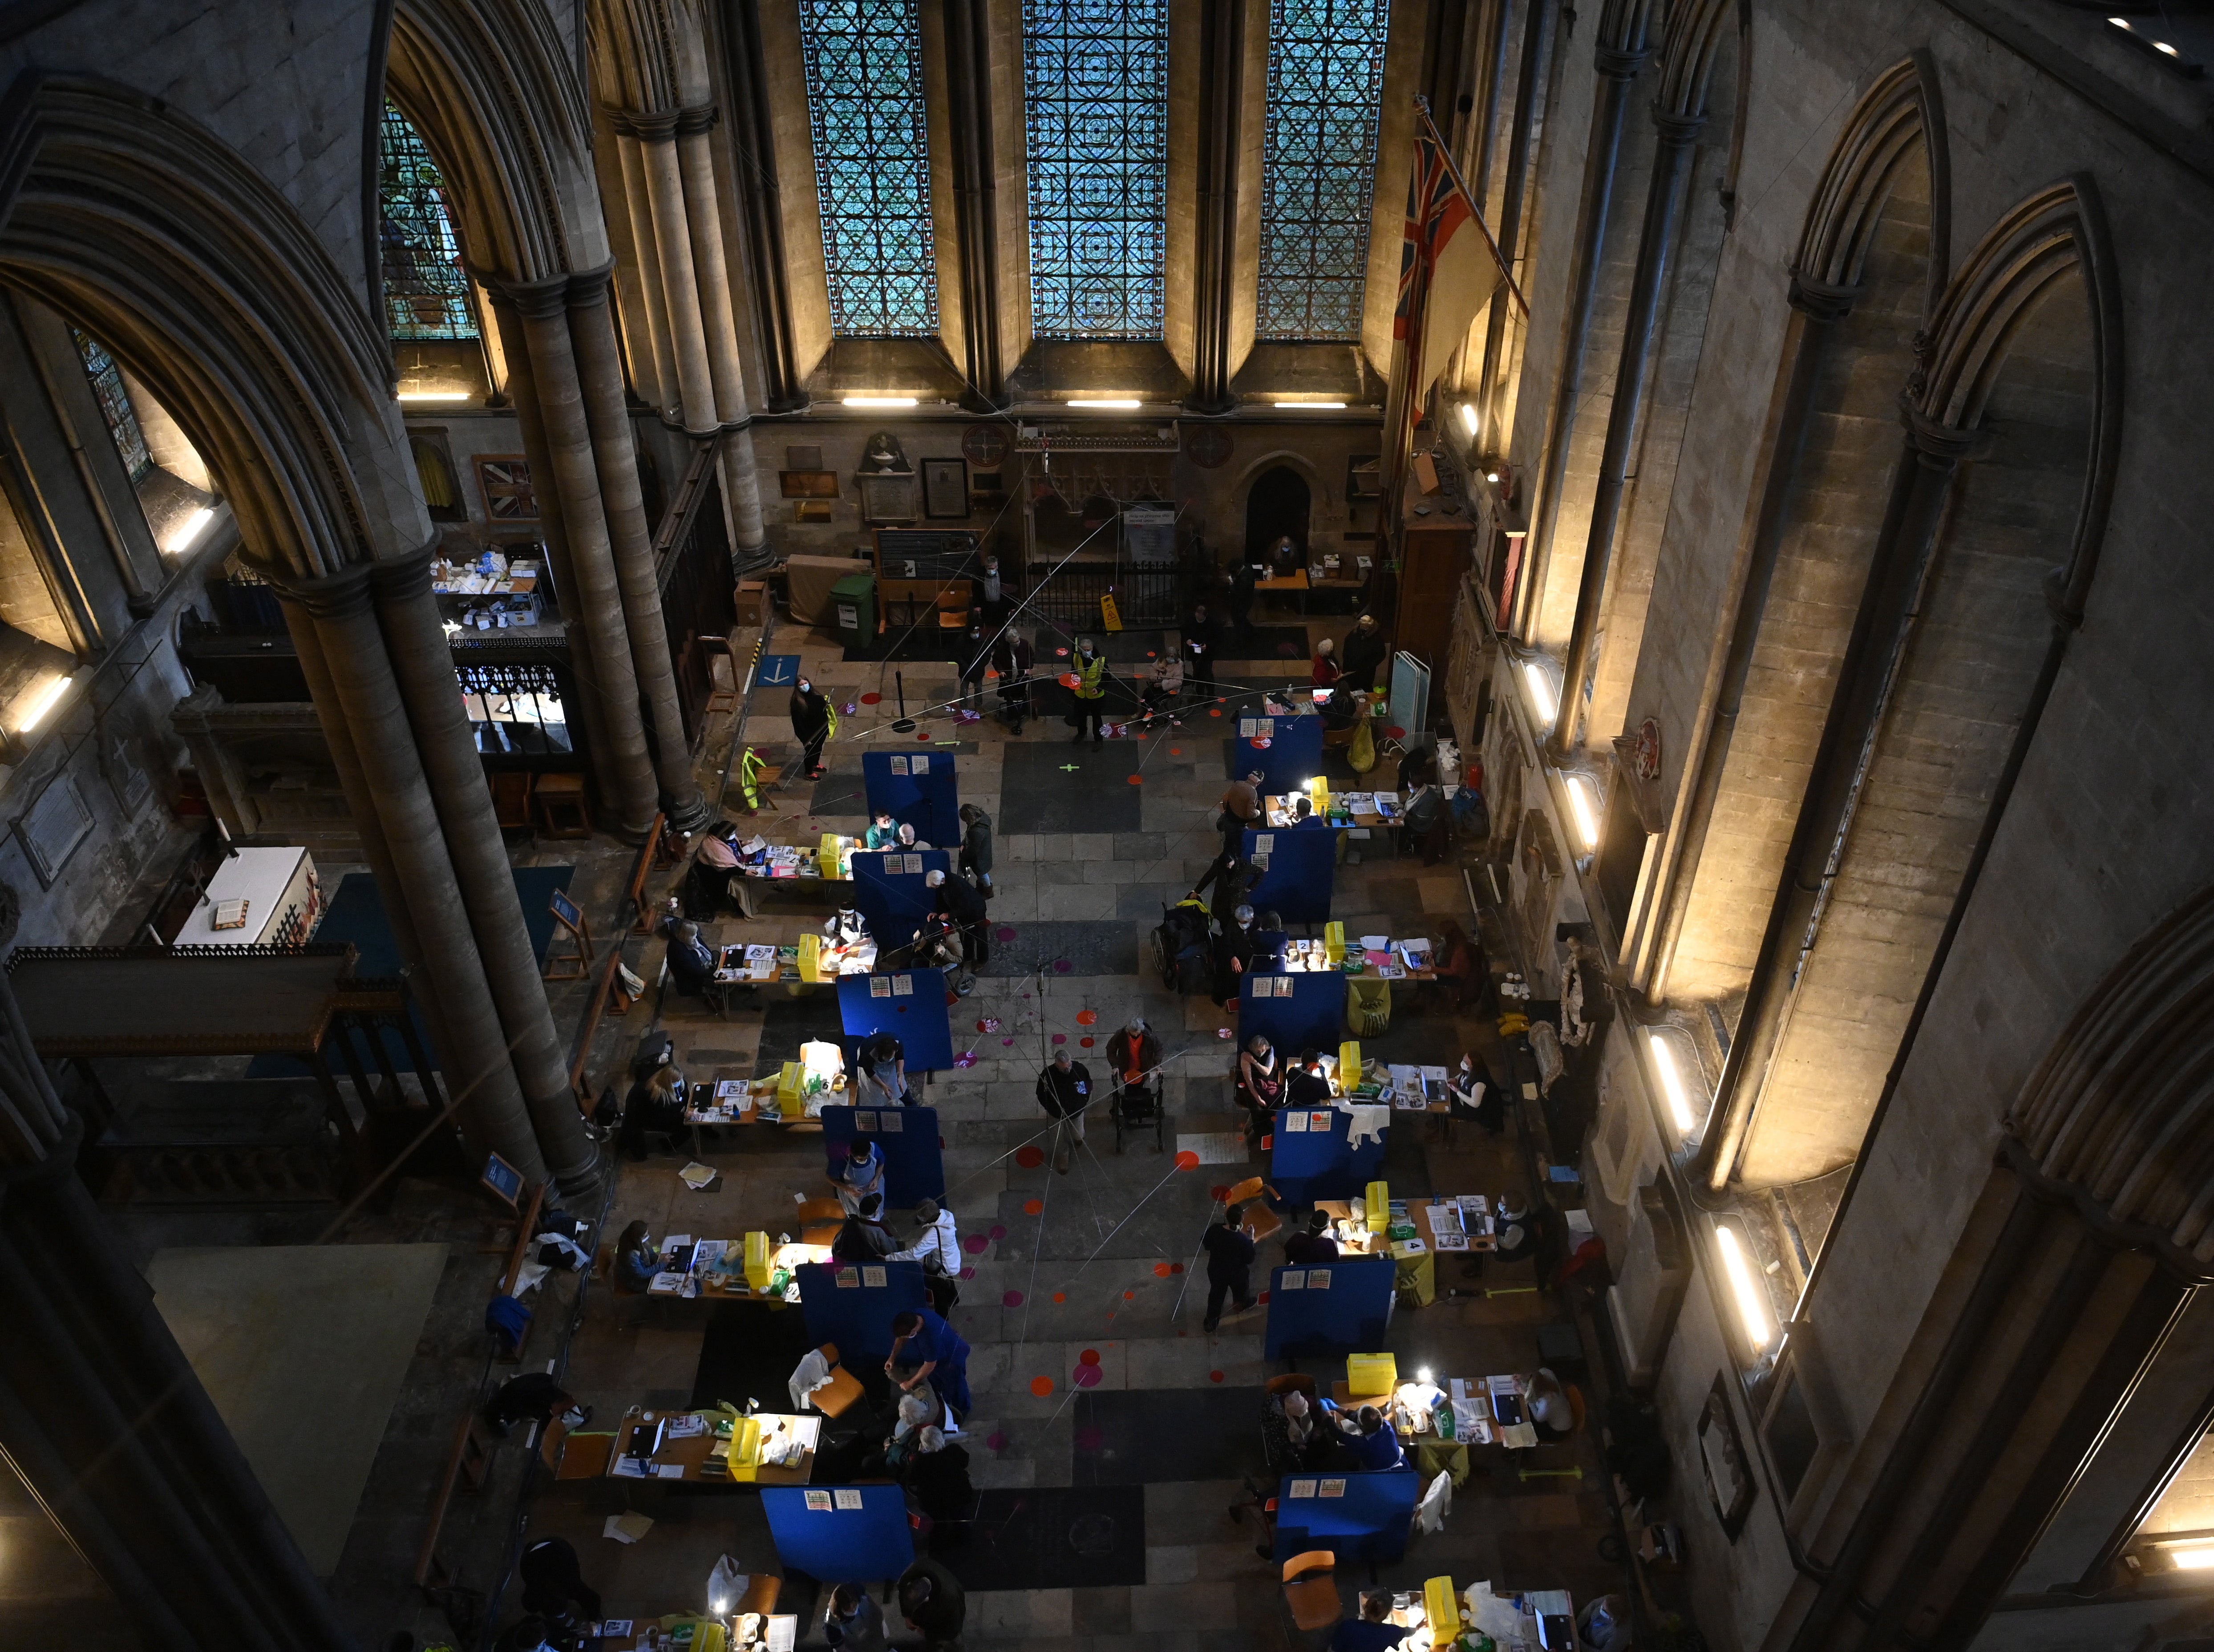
(1137, 779)
(1032, 1206)
(1041, 1387)
(1129, 1296)
(1086, 1018)
(1160, 1270)
(1187, 1159)
(1061, 1296)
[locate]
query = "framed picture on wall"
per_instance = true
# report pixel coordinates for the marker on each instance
(808, 484)
(504, 480)
(945, 488)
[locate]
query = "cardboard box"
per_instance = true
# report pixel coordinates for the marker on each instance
(751, 601)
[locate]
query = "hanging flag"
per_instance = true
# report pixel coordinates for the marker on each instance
(1449, 266)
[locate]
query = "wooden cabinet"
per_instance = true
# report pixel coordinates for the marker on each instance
(1436, 540)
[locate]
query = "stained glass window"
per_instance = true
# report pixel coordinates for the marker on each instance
(1097, 76)
(1319, 165)
(115, 406)
(426, 295)
(871, 165)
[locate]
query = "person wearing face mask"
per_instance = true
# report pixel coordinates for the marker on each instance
(1011, 659)
(883, 833)
(813, 722)
(1233, 952)
(1091, 679)
(1472, 1094)
(976, 658)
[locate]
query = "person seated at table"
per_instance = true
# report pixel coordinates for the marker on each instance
(1260, 1083)
(1370, 1631)
(1307, 1085)
(914, 1413)
(709, 879)
(1163, 688)
(1425, 826)
(938, 1248)
(1311, 1247)
(937, 1475)
(533, 1397)
(925, 1348)
(1341, 708)
(881, 1081)
(844, 927)
(655, 1103)
(637, 1258)
(858, 1176)
(931, 1601)
(1460, 964)
(691, 960)
(864, 1238)
(852, 1621)
(1290, 1431)
(554, 1581)
(1374, 1441)
(1471, 1093)
(1548, 1406)
(883, 833)
(1303, 813)
(1325, 673)
(905, 838)
(1519, 1228)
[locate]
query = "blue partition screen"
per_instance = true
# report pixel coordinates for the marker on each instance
(1310, 1016)
(930, 801)
(915, 1017)
(841, 1533)
(1301, 873)
(1341, 1309)
(894, 903)
(1355, 1516)
(1320, 1161)
(914, 1167)
(852, 1305)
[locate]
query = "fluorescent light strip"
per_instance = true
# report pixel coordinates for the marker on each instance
(880, 401)
(1468, 418)
(2195, 1557)
(1310, 404)
(1672, 1084)
(47, 698)
(1105, 401)
(195, 525)
(1583, 799)
(435, 396)
(1745, 1287)
(1541, 690)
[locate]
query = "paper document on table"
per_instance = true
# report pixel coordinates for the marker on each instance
(1469, 1417)
(1443, 1218)
(669, 1471)
(783, 1632)
(1518, 1435)
(627, 1468)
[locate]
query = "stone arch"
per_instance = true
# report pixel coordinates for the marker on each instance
(1695, 32)
(487, 84)
(655, 53)
(1903, 110)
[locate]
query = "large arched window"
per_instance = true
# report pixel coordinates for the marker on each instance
(1319, 165)
(1096, 76)
(871, 165)
(115, 406)
(426, 295)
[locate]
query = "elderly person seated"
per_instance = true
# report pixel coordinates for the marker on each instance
(1292, 1430)
(917, 1410)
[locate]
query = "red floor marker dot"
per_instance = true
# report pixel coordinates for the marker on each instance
(1087, 1043)
(1137, 779)
(1187, 1159)
(1129, 1296)
(1061, 1296)
(925, 739)
(1029, 1157)
(1160, 1270)
(1012, 1299)
(1176, 752)
(1041, 1387)
(1090, 1356)
(1176, 1267)
(1087, 1376)
(872, 699)
(998, 1230)
(1218, 1192)
(1031, 1208)
(1217, 712)
(1214, 1376)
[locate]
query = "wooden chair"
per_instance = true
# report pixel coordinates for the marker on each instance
(559, 800)
(761, 1595)
(510, 800)
(1257, 1220)
(1311, 1590)
(820, 1219)
(844, 1391)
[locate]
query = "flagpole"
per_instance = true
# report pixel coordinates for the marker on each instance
(1475, 205)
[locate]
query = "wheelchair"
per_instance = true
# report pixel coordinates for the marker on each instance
(1137, 1107)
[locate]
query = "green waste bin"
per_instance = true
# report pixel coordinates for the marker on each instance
(854, 612)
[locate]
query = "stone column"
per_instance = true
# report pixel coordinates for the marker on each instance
(734, 461)
(424, 667)
(1618, 68)
(590, 712)
(106, 1420)
(968, 94)
(760, 198)
(672, 240)
(1641, 328)
(543, 307)
(1221, 57)
(1529, 86)
(599, 367)
(366, 712)
(638, 200)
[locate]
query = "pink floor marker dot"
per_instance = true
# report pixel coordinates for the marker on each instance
(975, 1245)
(1060, 1037)
(1062, 966)
(995, 1441)
(1012, 1299)
(998, 1230)
(968, 1273)
(1187, 1159)
(1003, 935)
(1091, 1439)
(1087, 1376)
(1090, 1356)
(1006, 1040)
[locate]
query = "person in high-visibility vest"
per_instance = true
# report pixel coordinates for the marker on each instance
(749, 771)
(1092, 677)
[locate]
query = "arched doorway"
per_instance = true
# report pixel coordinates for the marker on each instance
(1276, 509)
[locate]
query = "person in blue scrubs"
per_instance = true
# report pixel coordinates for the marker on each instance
(1373, 1441)
(1368, 1632)
(925, 1348)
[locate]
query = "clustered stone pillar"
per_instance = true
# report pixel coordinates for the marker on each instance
(371, 647)
(677, 163)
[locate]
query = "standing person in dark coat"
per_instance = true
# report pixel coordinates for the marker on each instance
(1064, 1090)
(975, 657)
(1011, 659)
(553, 1579)
(1200, 634)
(931, 1601)
(957, 897)
(1361, 653)
(1229, 1266)
(976, 847)
(812, 722)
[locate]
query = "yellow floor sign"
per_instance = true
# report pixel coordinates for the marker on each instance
(1110, 616)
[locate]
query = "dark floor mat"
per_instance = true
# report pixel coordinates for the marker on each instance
(1265, 642)
(1050, 1537)
(1087, 947)
(788, 1023)
(750, 1352)
(1038, 792)
(840, 792)
(1143, 1436)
